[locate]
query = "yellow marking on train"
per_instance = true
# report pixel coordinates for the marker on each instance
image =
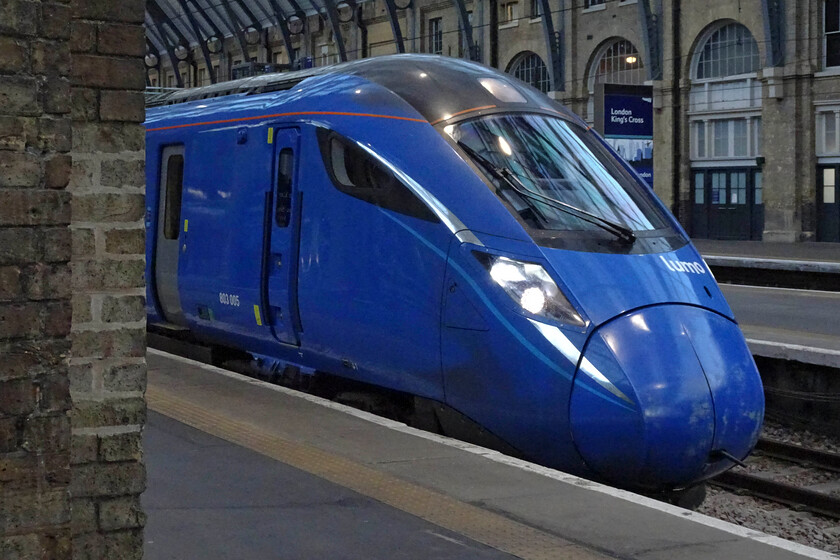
(476, 523)
(186, 225)
(271, 135)
(257, 315)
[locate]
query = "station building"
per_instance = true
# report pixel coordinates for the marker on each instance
(744, 94)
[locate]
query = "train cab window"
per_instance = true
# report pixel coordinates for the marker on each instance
(355, 172)
(174, 186)
(285, 173)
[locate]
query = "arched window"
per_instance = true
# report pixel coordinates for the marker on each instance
(725, 97)
(530, 68)
(618, 62)
(728, 51)
(725, 125)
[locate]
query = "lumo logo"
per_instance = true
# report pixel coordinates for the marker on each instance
(683, 266)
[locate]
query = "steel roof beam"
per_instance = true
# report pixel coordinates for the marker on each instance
(332, 16)
(265, 13)
(207, 19)
(228, 21)
(393, 18)
(650, 18)
(161, 17)
(170, 53)
(220, 36)
(473, 52)
(255, 22)
(300, 14)
(773, 12)
(202, 41)
(554, 45)
(299, 11)
(152, 49)
(283, 24)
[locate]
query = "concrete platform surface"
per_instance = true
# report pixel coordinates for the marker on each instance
(789, 324)
(806, 256)
(242, 469)
(240, 504)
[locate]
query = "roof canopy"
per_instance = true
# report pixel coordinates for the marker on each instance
(177, 28)
(173, 23)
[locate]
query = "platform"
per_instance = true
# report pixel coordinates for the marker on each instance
(801, 330)
(238, 468)
(798, 257)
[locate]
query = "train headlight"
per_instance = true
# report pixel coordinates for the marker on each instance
(530, 286)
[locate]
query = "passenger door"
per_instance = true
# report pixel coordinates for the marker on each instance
(170, 234)
(282, 231)
(729, 210)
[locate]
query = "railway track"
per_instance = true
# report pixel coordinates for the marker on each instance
(802, 478)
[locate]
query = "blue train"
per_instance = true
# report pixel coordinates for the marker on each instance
(435, 227)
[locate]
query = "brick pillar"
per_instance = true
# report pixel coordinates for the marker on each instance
(107, 367)
(782, 150)
(34, 280)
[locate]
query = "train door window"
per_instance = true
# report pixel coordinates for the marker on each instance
(357, 173)
(174, 186)
(285, 173)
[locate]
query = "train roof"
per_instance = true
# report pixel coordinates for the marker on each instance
(437, 87)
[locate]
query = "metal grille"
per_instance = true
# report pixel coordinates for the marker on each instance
(620, 63)
(729, 51)
(530, 68)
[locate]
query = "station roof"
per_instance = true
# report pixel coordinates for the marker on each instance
(175, 24)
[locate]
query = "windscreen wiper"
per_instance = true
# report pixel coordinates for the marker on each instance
(514, 182)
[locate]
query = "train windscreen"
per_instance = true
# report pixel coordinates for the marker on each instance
(558, 176)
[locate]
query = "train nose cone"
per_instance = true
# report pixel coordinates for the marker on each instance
(659, 392)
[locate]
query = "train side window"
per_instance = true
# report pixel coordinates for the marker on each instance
(285, 173)
(355, 172)
(174, 186)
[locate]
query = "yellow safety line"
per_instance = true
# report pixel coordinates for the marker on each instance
(444, 511)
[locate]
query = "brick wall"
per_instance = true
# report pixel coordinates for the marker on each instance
(34, 280)
(107, 364)
(72, 368)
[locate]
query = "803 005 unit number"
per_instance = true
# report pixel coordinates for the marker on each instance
(229, 299)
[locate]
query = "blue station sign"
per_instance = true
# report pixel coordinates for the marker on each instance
(627, 117)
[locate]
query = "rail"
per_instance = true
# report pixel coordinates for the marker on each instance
(799, 498)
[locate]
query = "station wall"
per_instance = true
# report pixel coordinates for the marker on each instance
(72, 326)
